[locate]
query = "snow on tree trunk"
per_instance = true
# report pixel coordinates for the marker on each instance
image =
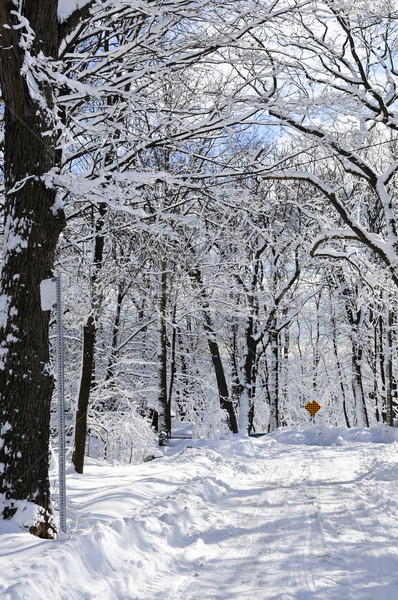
(222, 386)
(273, 382)
(32, 228)
(389, 368)
(244, 412)
(89, 342)
(163, 399)
(357, 386)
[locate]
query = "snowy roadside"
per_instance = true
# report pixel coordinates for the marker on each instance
(293, 515)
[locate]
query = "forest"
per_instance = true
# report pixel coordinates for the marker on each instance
(215, 183)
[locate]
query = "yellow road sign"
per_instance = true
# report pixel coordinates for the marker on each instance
(312, 407)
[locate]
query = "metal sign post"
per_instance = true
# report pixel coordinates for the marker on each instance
(50, 292)
(61, 411)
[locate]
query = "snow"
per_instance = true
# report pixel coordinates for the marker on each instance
(67, 7)
(295, 515)
(58, 204)
(183, 429)
(13, 241)
(6, 427)
(26, 514)
(4, 309)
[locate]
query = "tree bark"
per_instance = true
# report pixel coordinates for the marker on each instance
(163, 398)
(273, 380)
(89, 338)
(389, 376)
(223, 393)
(354, 318)
(89, 335)
(173, 362)
(339, 370)
(32, 227)
(115, 334)
(357, 385)
(246, 399)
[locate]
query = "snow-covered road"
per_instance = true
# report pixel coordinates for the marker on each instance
(294, 515)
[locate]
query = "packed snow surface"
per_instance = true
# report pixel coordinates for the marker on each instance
(303, 515)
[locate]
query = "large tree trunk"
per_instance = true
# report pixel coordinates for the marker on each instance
(32, 228)
(89, 336)
(89, 339)
(109, 376)
(246, 399)
(224, 396)
(163, 398)
(389, 367)
(273, 380)
(357, 385)
(354, 318)
(340, 373)
(223, 393)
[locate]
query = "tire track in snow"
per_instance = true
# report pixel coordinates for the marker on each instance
(347, 517)
(209, 550)
(273, 534)
(277, 498)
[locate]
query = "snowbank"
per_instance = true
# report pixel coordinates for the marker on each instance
(320, 435)
(296, 514)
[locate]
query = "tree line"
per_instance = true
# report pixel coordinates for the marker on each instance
(215, 182)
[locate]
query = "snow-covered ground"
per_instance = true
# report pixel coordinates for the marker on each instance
(308, 515)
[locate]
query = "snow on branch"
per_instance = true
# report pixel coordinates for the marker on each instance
(67, 7)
